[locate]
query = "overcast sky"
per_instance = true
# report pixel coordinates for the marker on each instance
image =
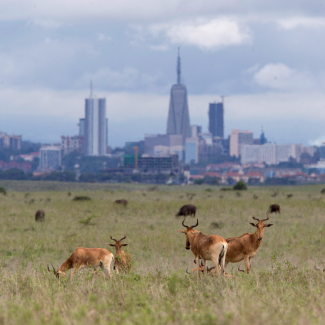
(266, 56)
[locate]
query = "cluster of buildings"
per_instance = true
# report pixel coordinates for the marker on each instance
(91, 141)
(10, 141)
(182, 146)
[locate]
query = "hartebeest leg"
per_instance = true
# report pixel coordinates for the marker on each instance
(198, 265)
(205, 267)
(247, 263)
(75, 269)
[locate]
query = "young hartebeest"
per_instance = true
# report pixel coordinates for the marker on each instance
(209, 269)
(122, 260)
(208, 248)
(245, 247)
(89, 257)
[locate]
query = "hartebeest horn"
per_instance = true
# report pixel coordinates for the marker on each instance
(197, 223)
(184, 225)
(255, 218)
(211, 268)
(187, 271)
(54, 270)
(240, 269)
(113, 239)
(266, 218)
(123, 238)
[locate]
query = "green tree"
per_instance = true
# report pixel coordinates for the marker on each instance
(240, 186)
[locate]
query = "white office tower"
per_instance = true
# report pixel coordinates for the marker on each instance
(50, 158)
(95, 126)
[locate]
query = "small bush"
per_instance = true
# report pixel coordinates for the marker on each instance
(218, 225)
(81, 198)
(209, 190)
(323, 191)
(199, 181)
(3, 191)
(240, 186)
(224, 189)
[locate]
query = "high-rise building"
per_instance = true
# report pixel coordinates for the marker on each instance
(178, 115)
(50, 158)
(237, 139)
(71, 144)
(95, 126)
(216, 127)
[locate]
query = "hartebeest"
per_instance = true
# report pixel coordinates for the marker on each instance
(245, 247)
(89, 257)
(209, 248)
(122, 260)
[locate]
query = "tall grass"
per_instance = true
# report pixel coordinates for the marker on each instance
(283, 287)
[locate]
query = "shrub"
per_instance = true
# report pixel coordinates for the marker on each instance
(199, 181)
(3, 191)
(224, 189)
(81, 198)
(240, 186)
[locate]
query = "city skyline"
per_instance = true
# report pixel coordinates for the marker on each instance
(267, 59)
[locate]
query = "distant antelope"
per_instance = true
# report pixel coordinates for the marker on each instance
(246, 246)
(187, 210)
(208, 248)
(121, 202)
(88, 257)
(39, 215)
(123, 260)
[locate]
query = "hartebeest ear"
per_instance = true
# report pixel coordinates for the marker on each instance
(125, 244)
(269, 225)
(253, 224)
(112, 245)
(183, 231)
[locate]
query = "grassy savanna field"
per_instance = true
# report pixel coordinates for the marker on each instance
(282, 288)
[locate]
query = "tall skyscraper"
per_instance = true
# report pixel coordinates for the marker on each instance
(95, 126)
(178, 115)
(216, 127)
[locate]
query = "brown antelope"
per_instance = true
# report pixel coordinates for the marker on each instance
(122, 260)
(246, 246)
(89, 257)
(208, 248)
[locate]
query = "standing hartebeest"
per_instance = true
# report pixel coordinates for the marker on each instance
(95, 257)
(122, 260)
(208, 248)
(245, 247)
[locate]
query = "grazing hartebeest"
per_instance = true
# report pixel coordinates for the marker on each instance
(39, 215)
(187, 210)
(122, 260)
(245, 247)
(274, 208)
(95, 257)
(122, 202)
(209, 248)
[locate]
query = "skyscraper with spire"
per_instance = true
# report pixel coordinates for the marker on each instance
(178, 115)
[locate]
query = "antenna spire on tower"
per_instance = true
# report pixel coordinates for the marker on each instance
(91, 89)
(178, 69)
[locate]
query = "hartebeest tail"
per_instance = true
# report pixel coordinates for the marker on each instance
(123, 260)
(86, 257)
(209, 248)
(246, 246)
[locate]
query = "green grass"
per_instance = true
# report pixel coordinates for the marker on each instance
(283, 287)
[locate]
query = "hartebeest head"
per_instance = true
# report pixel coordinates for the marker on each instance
(118, 245)
(260, 225)
(187, 232)
(57, 273)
